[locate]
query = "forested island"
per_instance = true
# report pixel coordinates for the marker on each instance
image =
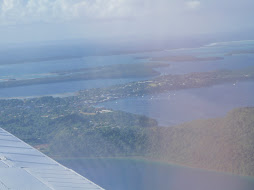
(73, 127)
(185, 58)
(157, 83)
(162, 84)
(62, 129)
(139, 70)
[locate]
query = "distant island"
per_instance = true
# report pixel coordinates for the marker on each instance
(185, 58)
(239, 52)
(162, 84)
(117, 71)
(73, 127)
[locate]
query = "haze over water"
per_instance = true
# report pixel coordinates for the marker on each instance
(126, 174)
(167, 108)
(48, 36)
(190, 104)
(38, 69)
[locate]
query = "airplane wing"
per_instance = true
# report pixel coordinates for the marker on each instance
(22, 167)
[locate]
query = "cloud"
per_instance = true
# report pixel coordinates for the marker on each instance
(27, 11)
(55, 11)
(193, 4)
(85, 18)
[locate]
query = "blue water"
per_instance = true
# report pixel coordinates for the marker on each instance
(186, 105)
(127, 174)
(168, 108)
(60, 88)
(175, 107)
(29, 69)
(40, 68)
(234, 62)
(229, 63)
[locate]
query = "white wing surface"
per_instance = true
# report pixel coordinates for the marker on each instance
(22, 167)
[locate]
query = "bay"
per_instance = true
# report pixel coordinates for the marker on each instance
(59, 89)
(168, 108)
(131, 174)
(39, 69)
(175, 107)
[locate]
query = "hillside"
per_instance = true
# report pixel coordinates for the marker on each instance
(225, 144)
(61, 128)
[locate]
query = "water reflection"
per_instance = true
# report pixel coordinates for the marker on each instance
(185, 105)
(127, 174)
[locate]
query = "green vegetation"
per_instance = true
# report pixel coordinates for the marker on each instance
(61, 128)
(162, 84)
(223, 144)
(138, 70)
(72, 127)
(156, 85)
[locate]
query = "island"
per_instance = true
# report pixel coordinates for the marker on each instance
(73, 127)
(139, 70)
(163, 83)
(185, 58)
(62, 129)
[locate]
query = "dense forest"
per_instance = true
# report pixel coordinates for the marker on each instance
(222, 144)
(62, 129)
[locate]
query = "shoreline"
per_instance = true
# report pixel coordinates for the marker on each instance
(77, 93)
(61, 95)
(227, 42)
(152, 161)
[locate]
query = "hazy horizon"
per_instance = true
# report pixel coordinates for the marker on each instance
(28, 21)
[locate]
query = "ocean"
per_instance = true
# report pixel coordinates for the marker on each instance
(131, 174)
(168, 109)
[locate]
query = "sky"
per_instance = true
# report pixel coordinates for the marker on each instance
(42, 20)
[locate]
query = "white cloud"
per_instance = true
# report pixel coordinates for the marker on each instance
(193, 4)
(27, 11)
(51, 11)
(65, 18)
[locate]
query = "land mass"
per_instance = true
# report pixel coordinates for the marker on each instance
(60, 128)
(72, 127)
(222, 144)
(242, 52)
(185, 58)
(162, 84)
(139, 70)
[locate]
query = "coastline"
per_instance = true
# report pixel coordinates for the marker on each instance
(151, 161)
(61, 95)
(227, 42)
